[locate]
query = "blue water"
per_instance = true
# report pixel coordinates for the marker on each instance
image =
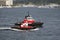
(50, 17)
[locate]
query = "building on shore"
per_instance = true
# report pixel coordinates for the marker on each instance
(9, 2)
(2, 2)
(6, 2)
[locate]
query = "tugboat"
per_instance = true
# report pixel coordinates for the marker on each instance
(28, 23)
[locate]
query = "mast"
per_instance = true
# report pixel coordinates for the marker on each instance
(28, 13)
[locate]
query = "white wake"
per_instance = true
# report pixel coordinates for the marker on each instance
(34, 29)
(5, 28)
(9, 28)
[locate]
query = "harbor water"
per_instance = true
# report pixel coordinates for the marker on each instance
(49, 16)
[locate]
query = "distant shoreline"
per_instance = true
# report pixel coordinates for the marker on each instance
(38, 6)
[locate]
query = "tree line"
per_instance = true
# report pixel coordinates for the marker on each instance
(37, 2)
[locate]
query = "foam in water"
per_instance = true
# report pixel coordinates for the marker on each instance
(5, 28)
(9, 28)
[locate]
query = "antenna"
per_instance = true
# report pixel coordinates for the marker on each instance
(28, 13)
